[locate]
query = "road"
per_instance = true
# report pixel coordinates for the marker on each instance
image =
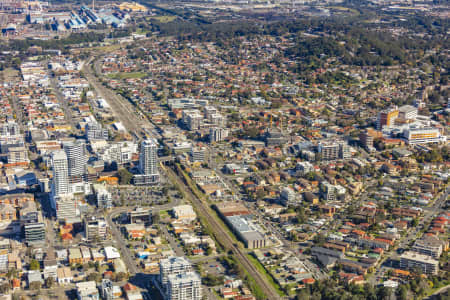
(62, 101)
(127, 256)
(124, 111)
(132, 121)
(222, 235)
(172, 242)
(440, 291)
(17, 108)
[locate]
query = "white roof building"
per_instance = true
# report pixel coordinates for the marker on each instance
(184, 213)
(111, 253)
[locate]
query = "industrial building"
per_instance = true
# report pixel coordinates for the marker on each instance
(247, 232)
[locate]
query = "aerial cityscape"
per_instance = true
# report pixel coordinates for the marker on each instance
(203, 150)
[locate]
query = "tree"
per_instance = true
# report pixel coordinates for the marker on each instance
(402, 292)
(94, 276)
(34, 265)
(4, 288)
(35, 285)
(212, 280)
(12, 273)
(165, 191)
(42, 166)
(49, 282)
(124, 176)
(304, 294)
(121, 276)
(208, 251)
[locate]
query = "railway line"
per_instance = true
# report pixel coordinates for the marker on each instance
(226, 240)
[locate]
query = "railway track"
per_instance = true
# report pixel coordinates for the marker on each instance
(226, 240)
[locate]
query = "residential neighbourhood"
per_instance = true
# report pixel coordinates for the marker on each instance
(224, 151)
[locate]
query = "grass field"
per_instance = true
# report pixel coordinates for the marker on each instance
(350, 10)
(127, 75)
(164, 19)
(108, 48)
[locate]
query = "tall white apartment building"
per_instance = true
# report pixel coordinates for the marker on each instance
(185, 286)
(172, 266)
(148, 157)
(217, 134)
(148, 163)
(60, 173)
(76, 157)
(95, 131)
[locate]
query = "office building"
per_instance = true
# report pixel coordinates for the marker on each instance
(185, 286)
(387, 117)
(60, 173)
(407, 113)
(172, 266)
(423, 135)
(198, 154)
(66, 207)
(148, 163)
(95, 131)
(217, 134)
(95, 229)
(17, 155)
(140, 215)
(76, 158)
(427, 264)
(34, 233)
(184, 213)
